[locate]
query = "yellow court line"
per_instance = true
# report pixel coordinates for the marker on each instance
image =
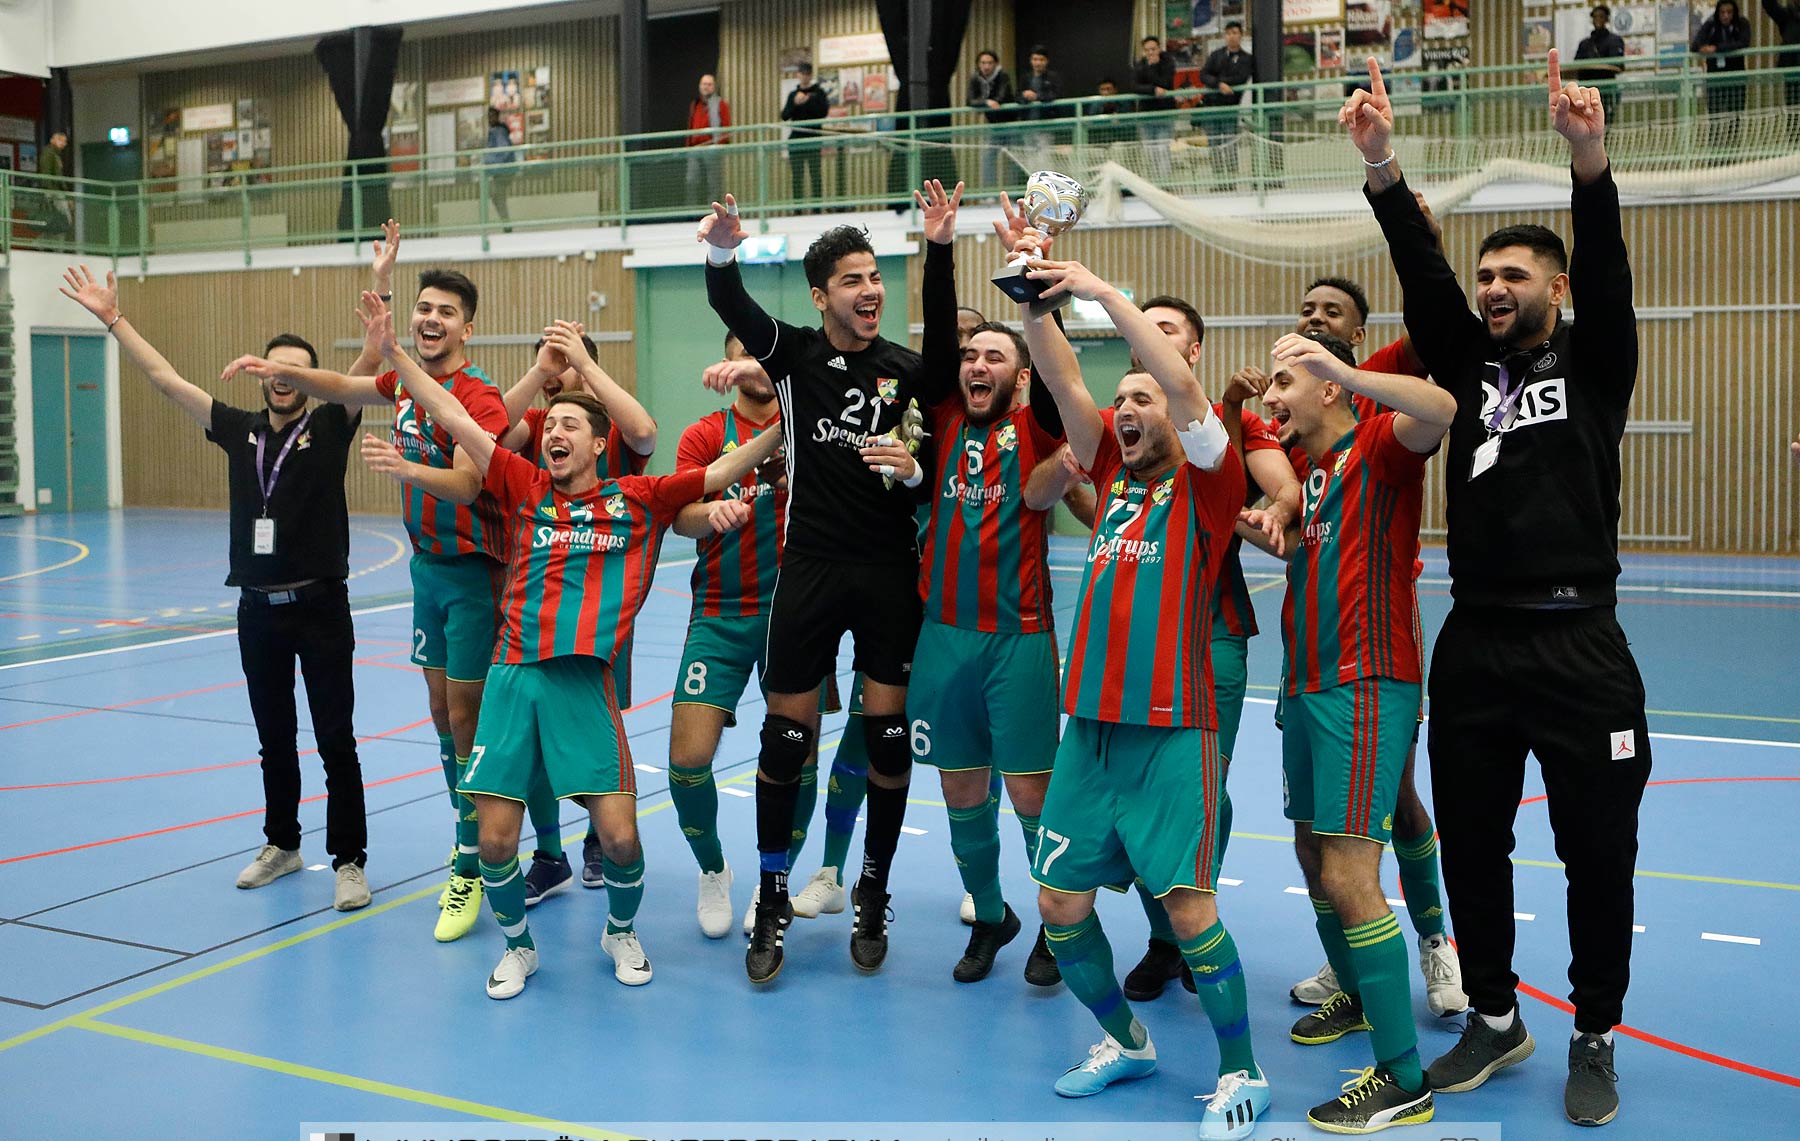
(400, 551)
(347, 1081)
(79, 546)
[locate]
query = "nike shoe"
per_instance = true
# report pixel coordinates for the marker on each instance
(714, 908)
(1342, 1014)
(1480, 1053)
(1314, 991)
(630, 965)
(462, 907)
(1234, 1108)
(546, 876)
(822, 895)
(270, 864)
(1372, 1101)
(1108, 1061)
(1443, 977)
(508, 978)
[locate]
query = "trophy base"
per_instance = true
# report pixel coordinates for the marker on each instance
(1028, 292)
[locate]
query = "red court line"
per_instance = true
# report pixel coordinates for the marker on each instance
(185, 772)
(1685, 780)
(120, 705)
(649, 703)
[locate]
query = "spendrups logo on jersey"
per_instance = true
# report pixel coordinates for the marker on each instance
(1318, 533)
(1541, 402)
(1110, 543)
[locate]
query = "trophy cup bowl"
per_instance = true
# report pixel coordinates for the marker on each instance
(1052, 204)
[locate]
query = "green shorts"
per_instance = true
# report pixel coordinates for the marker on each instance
(991, 700)
(456, 613)
(621, 665)
(1131, 801)
(557, 721)
(1342, 752)
(719, 658)
(1231, 678)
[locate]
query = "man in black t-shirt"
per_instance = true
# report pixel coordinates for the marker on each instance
(290, 557)
(851, 560)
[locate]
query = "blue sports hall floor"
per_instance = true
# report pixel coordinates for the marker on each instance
(143, 996)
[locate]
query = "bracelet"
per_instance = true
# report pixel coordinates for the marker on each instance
(116, 319)
(1379, 165)
(385, 297)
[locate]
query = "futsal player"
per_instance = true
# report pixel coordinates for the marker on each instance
(289, 551)
(1531, 658)
(1138, 782)
(456, 548)
(581, 557)
(1352, 694)
(851, 560)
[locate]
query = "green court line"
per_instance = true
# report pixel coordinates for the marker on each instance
(346, 1081)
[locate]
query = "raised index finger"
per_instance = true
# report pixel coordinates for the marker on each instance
(1556, 83)
(1377, 86)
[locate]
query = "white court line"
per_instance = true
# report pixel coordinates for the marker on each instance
(1396, 903)
(646, 768)
(176, 641)
(1294, 890)
(1744, 939)
(1638, 927)
(1223, 882)
(70, 630)
(911, 831)
(729, 791)
(1524, 916)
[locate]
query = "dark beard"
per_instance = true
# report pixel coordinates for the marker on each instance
(1528, 324)
(1000, 404)
(299, 399)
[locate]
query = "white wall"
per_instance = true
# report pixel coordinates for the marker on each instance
(37, 307)
(25, 37)
(100, 31)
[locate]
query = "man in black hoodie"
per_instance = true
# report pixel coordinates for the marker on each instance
(806, 104)
(1531, 658)
(1786, 14)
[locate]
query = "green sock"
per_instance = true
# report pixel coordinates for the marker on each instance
(546, 817)
(1212, 956)
(505, 891)
(844, 796)
(1224, 840)
(1029, 826)
(1379, 952)
(624, 893)
(1086, 961)
(975, 842)
(696, 798)
(1337, 952)
(803, 812)
(1418, 862)
(1157, 914)
(468, 831)
(447, 758)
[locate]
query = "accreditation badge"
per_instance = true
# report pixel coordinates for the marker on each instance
(262, 536)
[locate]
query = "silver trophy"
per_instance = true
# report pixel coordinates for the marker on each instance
(1053, 203)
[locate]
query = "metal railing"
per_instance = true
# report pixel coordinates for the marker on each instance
(1668, 117)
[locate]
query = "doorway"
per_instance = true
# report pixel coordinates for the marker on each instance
(68, 421)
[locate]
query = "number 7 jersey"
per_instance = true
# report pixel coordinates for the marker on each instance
(1139, 649)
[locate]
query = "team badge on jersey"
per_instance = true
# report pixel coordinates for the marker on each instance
(1161, 492)
(615, 506)
(304, 442)
(888, 389)
(1008, 437)
(1337, 468)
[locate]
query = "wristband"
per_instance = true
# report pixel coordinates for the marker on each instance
(918, 476)
(719, 257)
(1379, 165)
(116, 319)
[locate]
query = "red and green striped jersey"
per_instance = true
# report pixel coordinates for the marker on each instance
(1233, 613)
(435, 526)
(986, 557)
(580, 566)
(734, 573)
(1139, 653)
(617, 460)
(1350, 606)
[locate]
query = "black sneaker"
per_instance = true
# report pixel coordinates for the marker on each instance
(1161, 963)
(1591, 1096)
(868, 937)
(1041, 968)
(593, 870)
(1342, 1014)
(547, 876)
(762, 962)
(1371, 1101)
(985, 941)
(1481, 1052)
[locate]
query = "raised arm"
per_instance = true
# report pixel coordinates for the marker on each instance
(1424, 410)
(460, 483)
(734, 465)
(721, 232)
(634, 423)
(1053, 361)
(1052, 479)
(942, 355)
(431, 397)
(518, 398)
(103, 302)
(385, 250)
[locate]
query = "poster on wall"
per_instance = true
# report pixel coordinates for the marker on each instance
(471, 132)
(1311, 12)
(455, 92)
(1446, 19)
(440, 140)
(1537, 34)
(1331, 49)
(1368, 27)
(537, 113)
(1439, 60)
(1299, 52)
(856, 74)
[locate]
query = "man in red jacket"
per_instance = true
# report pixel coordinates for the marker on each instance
(708, 117)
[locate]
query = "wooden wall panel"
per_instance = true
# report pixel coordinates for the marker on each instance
(201, 321)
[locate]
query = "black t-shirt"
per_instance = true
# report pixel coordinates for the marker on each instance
(312, 523)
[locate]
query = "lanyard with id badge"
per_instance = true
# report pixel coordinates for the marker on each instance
(1505, 412)
(262, 531)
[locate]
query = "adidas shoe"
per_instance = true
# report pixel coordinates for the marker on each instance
(1591, 1096)
(868, 937)
(270, 864)
(1372, 1101)
(462, 907)
(630, 965)
(546, 876)
(714, 908)
(966, 912)
(1316, 990)
(1162, 962)
(763, 960)
(1233, 1109)
(1342, 1014)
(1108, 1061)
(1480, 1053)
(823, 895)
(1443, 977)
(985, 941)
(352, 890)
(508, 978)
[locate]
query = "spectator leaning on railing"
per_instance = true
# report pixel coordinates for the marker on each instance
(1228, 71)
(1153, 79)
(1787, 24)
(806, 103)
(708, 117)
(1722, 39)
(990, 91)
(55, 208)
(1602, 43)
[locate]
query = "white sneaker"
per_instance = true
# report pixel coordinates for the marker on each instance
(269, 865)
(1234, 1109)
(1444, 992)
(508, 978)
(715, 903)
(630, 965)
(967, 912)
(750, 915)
(1316, 990)
(822, 895)
(352, 889)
